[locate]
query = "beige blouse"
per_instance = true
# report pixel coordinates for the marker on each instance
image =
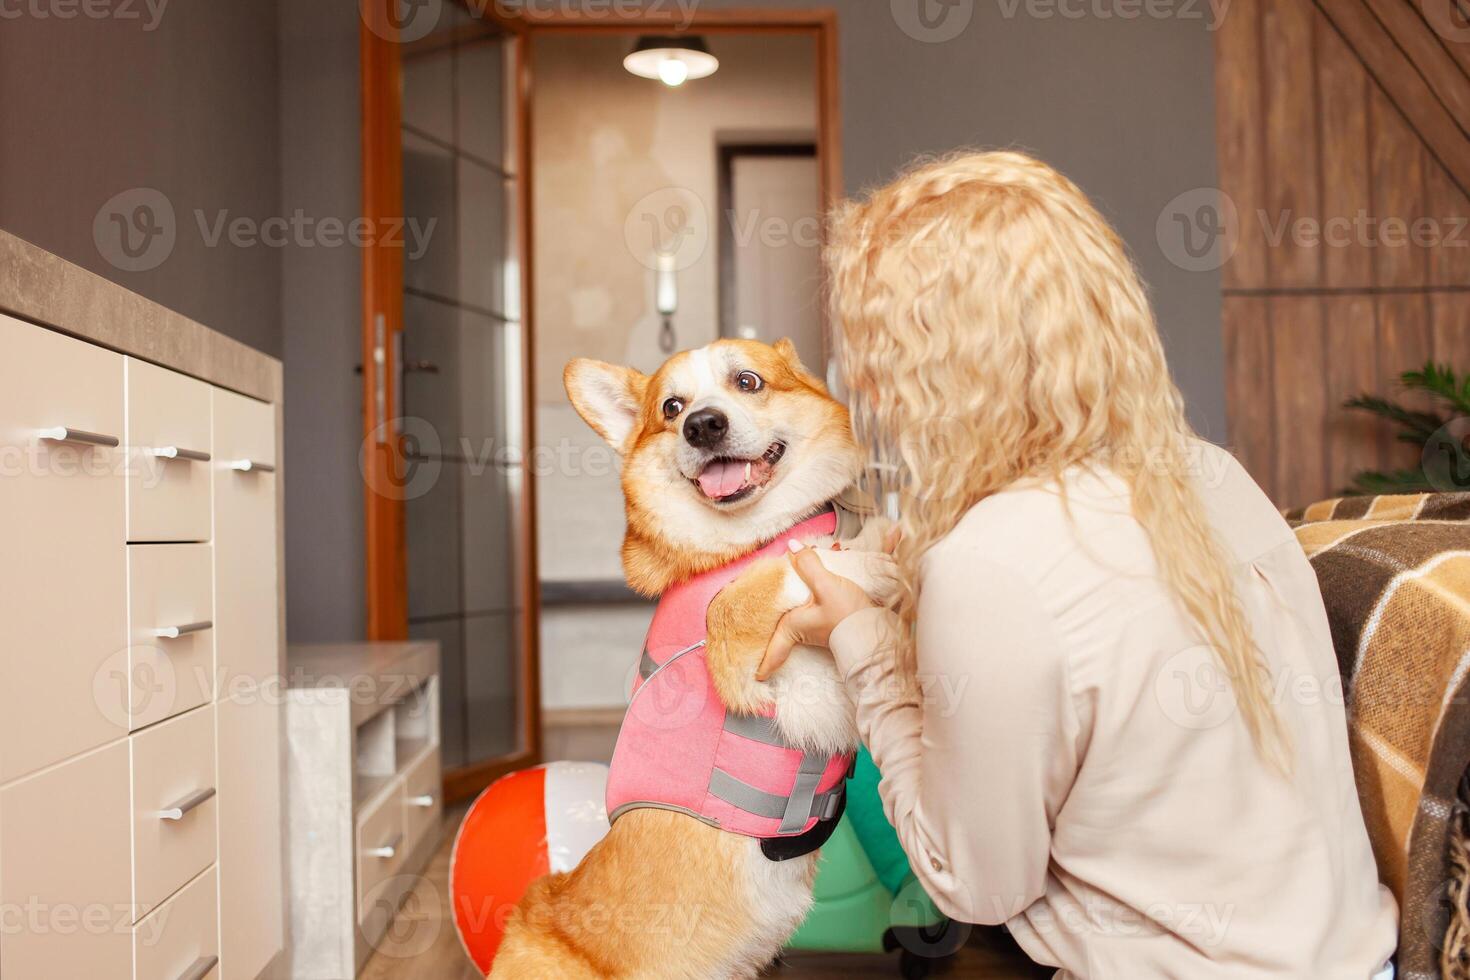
(1077, 770)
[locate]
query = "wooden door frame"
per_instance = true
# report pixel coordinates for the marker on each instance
(385, 551)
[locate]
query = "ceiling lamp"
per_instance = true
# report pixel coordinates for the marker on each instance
(671, 60)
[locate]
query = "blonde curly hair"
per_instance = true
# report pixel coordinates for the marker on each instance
(991, 327)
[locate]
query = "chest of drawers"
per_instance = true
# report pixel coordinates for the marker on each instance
(141, 773)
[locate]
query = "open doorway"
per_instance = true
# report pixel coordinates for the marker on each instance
(664, 217)
(557, 178)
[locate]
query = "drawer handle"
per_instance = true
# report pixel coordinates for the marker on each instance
(251, 466)
(423, 801)
(195, 799)
(174, 452)
(388, 850)
(200, 968)
(81, 437)
(174, 632)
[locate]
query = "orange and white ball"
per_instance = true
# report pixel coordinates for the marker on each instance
(527, 824)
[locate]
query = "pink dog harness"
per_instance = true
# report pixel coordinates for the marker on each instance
(679, 749)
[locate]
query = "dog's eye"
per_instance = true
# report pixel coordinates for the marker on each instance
(672, 408)
(749, 381)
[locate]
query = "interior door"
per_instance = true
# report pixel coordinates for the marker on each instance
(450, 353)
(770, 262)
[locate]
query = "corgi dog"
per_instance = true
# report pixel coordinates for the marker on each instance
(724, 449)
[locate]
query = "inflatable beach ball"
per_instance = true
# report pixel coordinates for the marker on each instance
(527, 824)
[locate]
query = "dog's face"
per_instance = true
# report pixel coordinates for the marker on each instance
(722, 446)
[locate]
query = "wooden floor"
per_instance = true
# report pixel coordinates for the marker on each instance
(422, 945)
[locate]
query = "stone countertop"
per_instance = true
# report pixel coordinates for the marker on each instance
(368, 677)
(42, 288)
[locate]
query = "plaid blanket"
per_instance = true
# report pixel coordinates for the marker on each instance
(1395, 576)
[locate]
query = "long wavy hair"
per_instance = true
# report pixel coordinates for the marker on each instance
(992, 328)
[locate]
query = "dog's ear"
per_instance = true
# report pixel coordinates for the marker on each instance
(787, 350)
(607, 396)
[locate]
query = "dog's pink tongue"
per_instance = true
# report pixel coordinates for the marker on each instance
(722, 478)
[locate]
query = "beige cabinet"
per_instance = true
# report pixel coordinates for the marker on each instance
(141, 762)
(63, 578)
(249, 719)
(66, 870)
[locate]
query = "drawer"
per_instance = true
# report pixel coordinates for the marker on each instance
(380, 846)
(65, 867)
(423, 800)
(173, 805)
(180, 939)
(247, 634)
(171, 623)
(65, 574)
(168, 442)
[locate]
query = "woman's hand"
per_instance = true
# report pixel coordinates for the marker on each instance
(834, 598)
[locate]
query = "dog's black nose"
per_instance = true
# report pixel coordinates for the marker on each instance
(705, 429)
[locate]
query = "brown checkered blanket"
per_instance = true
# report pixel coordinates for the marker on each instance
(1395, 576)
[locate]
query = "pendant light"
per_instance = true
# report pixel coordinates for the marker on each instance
(671, 59)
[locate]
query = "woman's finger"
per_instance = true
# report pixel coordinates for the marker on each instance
(779, 648)
(812, 571)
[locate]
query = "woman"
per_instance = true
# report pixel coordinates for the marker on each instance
(1103, 703)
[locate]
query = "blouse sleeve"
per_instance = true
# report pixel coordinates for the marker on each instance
(975, 768)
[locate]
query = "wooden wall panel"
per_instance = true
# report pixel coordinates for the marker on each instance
(1352, 438)
(1346, 181)
(1249, 399)
(1300, 395)
(1292, 151)
(1397, 161)
(1449, 208)
(1449, 315)
(1237, 111)
(1314, 125)
(1404, 341)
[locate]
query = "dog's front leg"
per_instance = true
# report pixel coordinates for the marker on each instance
(743, 616)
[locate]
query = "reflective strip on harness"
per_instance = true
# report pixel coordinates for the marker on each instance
(791, 811)
(755, 728)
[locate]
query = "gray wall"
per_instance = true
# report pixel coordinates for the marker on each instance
(1125, 107)
(184, 103)
(321, 316)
